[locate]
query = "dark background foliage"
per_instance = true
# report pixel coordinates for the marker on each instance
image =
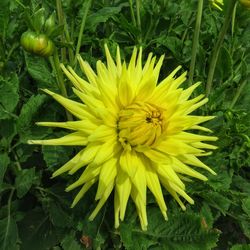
(35, 211)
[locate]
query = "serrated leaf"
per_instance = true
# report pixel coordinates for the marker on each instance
(223, 179)
(242, 184)
(39, 69)
(70, 243)
(9, 96)
(56, 155)
(217, 201)
(181, 231)
(25, 120)
(8, 234)
(4, 162)
(24, 181)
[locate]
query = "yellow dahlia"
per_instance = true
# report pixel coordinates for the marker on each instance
(217, 4)
(133, 132)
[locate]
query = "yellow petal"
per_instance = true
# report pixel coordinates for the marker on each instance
(155, 187)
(83, 191)
(74, 139)
(123, 188)
(107, 175)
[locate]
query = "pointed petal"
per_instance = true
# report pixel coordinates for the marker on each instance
(74, 139)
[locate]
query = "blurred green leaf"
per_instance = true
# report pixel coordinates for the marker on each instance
(70, 243)
(36, 231)
(217, 200)
(24, 181)
(8, 234)
(9, 95)
(240, 247)
(246, 206)
(25, 120)
(39, 69)
(56, 155)
(4, 162)
(101, 16)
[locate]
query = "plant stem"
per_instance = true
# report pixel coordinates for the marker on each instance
(233, 17)
(61, 22)
(8, 218)
(238, 93)
(195, 40)
(60, 80)
(132, 12)
(138, 17)
(215, 54)
(69, 40)
(79, 41)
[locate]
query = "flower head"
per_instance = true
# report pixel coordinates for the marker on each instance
(217, 4)
(133, 132)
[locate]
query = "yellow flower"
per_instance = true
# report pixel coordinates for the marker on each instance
(217, 4)
(134, 133)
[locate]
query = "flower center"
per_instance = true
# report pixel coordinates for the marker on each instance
(139, 124)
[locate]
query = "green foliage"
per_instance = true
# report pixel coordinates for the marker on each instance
(35, 210)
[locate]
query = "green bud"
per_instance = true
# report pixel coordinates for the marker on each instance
(27, 40)
(38, 44)
(38, 19)
(49, 25)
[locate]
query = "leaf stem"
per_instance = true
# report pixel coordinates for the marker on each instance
(238, 93)
(8, 218)
(79, 41)
(132, 12)
(60, 80)
(61, 22)
(195, 40)
(138, 17)
(216, 50)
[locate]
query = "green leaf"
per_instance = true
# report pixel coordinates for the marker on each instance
(217, 201)
(39, 69)
(224, 64)
(24, 181)
(4, 16)
(36, 231)
(246, 206)
(55, 156)
(56, 215)
(25, 120)
(173, 43)
(9, 96)
(240, 247)
(101, 16)
(181, 231)
(7, 132)
(223, 179)
(8, 234)
(39, 19)
(70, 243)
(242, 184)
(4, 162)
